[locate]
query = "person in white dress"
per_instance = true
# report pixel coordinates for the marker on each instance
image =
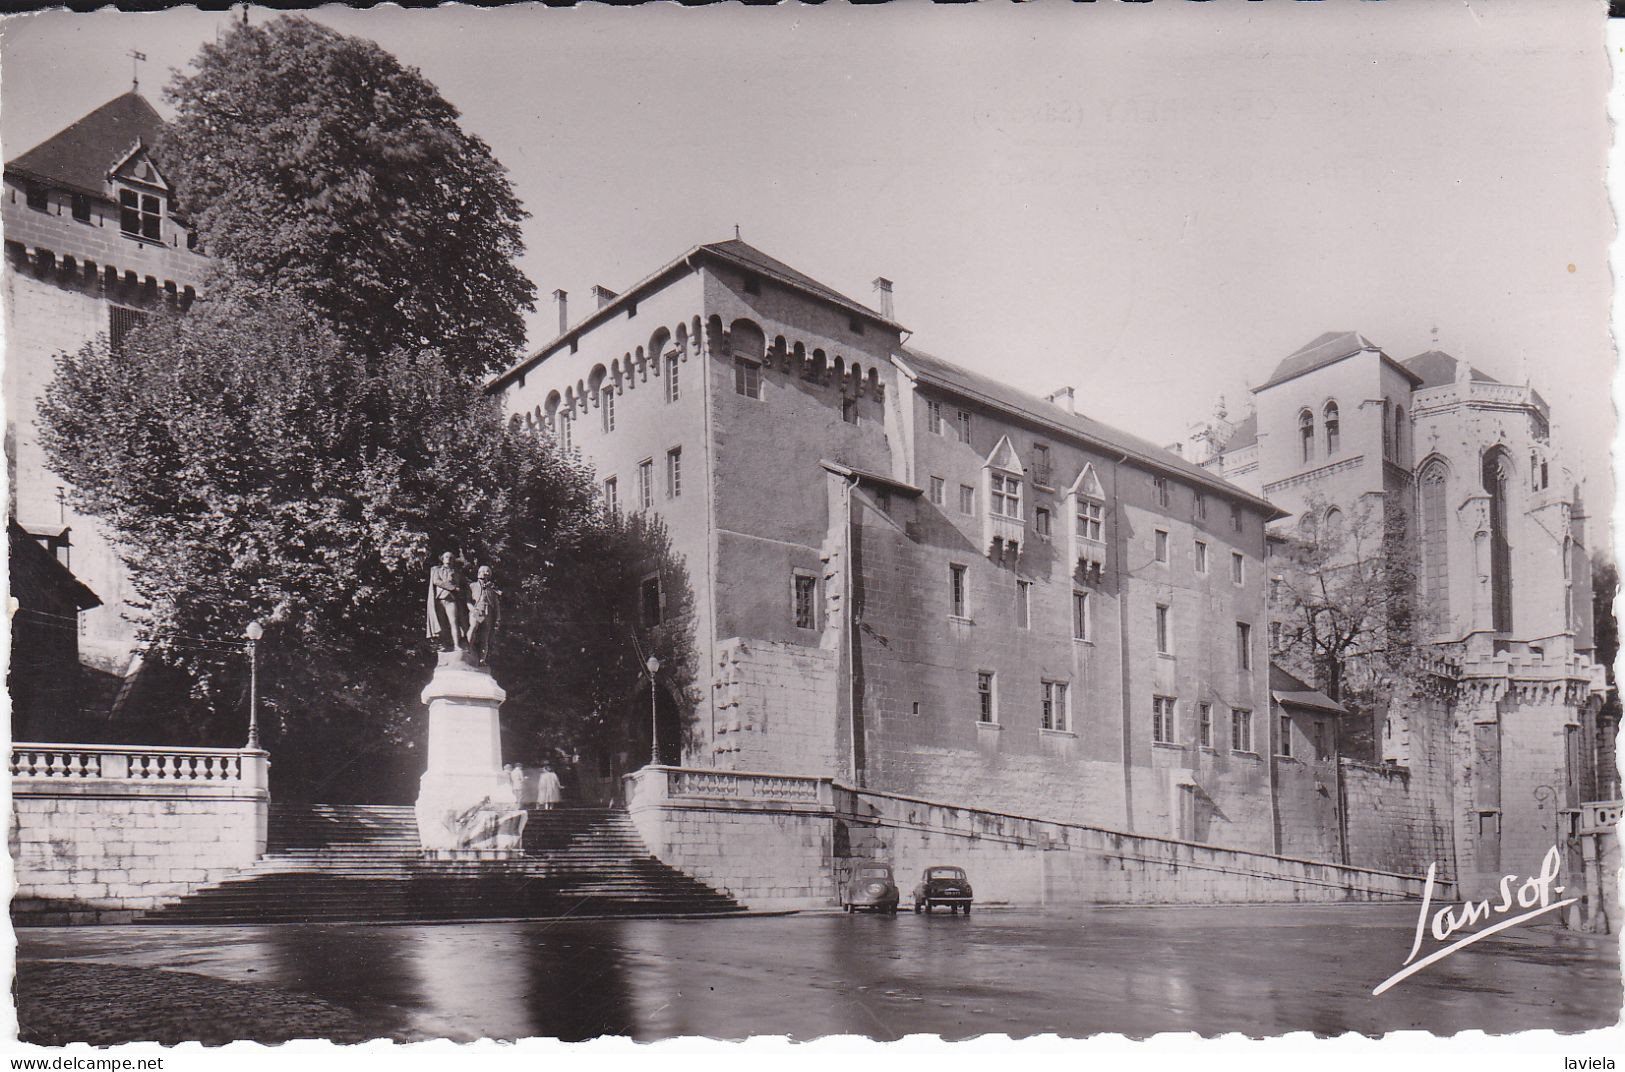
(547, 787)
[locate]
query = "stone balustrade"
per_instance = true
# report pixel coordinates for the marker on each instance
(46, 766)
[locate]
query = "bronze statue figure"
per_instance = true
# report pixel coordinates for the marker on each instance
(448, 604)
(485, 615)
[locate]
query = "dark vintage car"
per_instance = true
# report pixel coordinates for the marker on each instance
(943, 886)
(871, 886)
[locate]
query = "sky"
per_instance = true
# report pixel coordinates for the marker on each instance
(1154, 203)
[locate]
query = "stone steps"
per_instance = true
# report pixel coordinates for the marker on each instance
(362, 863)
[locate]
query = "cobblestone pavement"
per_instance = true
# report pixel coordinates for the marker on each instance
(1137, 971)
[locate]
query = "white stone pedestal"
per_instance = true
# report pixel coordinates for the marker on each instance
(465, 749)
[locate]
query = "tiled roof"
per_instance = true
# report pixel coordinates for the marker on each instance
(962, 381)
(80, 156)
(1324, 350)
(1244, 434)
(750, 257)
(1436, 368)
(1290, 692)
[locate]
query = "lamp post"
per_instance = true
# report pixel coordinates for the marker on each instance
(253, 632)
(652, 665)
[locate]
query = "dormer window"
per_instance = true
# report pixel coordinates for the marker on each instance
(1088, 513)
(1002, 527)
(140, 215)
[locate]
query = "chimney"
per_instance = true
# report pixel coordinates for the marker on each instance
(603, 295)
(1063, 397)
(883, 285)
(563, 301)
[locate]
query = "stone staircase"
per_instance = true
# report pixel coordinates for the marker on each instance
(328, 862)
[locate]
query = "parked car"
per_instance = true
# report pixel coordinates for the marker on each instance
(871, 886)
(943, 886)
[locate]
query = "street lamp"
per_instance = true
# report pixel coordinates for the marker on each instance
(652, 665)
(253, 632)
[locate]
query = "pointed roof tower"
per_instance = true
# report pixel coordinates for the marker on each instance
(83, 155)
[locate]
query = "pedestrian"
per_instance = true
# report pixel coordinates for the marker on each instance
(547, 787)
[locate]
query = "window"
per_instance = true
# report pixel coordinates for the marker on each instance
(933, 417)
(849, 409)
(649, 600)
(957, 592)
(1160, 484)
(1080, 615)
(1244, 646)
(81, 208)
(1161, 537)
(674, 472)
(1333, 526)
(139, 215)
(673, 390)
(120, 322)
(1235, 518)
(1200, 507)
(854, 325)
(1089, 520)
(1201, 557)
(1162, 629)
(1041, 466)
(1041, 522)
(1399, 434)
(938, 490)
(612, 500)
(1497, 479)
(1162, 719)
(1238, 568)
(804, 592)
(38, 197)
(1241, 730)
(1024, 604)
(566, 437)
(1204, 725)
(1284, 746)
(646, 484)
(1332, 429)
(747, 378)
(964, 426)
(986, 707)
(1055, 715)
(967, 499)
(1004, 496)
(607, 404)
(1306, 435)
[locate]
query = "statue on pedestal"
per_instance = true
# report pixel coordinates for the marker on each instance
(485, 614)
(448, 604)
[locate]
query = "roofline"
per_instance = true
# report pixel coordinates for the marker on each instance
(651, 283)
(863, 476)
(1416, 381)
(56, 183)
(1289, 699)
(1213, 483)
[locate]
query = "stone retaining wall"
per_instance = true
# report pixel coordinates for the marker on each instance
(777, 841)
(99, 834)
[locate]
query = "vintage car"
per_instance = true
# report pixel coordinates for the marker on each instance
(943, 886)
(871, 886)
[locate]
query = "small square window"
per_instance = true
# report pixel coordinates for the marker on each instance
(1201, 557)
(81, 208)
(854, 325)
(1241, 730)
(1041, 522)
(38, 197)
(967, 499)
(1161, 538)
(1238, 567)
(1024, 604)
(753, 285)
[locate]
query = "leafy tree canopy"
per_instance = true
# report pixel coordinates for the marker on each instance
(317, 165)
(252, 467)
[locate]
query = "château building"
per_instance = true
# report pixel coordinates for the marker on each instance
(93, 244)
(916, 578)
(1514, 732)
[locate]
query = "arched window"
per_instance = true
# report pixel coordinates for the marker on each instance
(1399, 434)
(1306, 434)
(1333, 525)
(1497, 476)
(1332, 428)
(1568, 583)
(1435, 541)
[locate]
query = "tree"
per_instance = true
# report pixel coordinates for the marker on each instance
(316, 165)
(1346, 603)
(252, 467)
(1604, 587)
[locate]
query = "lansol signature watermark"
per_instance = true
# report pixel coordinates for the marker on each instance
(1534, 895)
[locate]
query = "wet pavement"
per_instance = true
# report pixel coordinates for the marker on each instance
(1137, 971)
